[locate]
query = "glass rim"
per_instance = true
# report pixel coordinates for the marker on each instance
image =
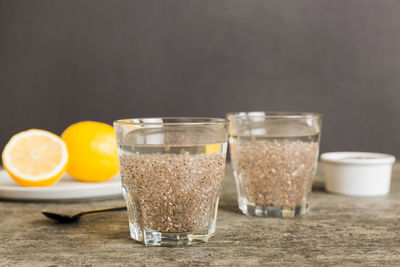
(172, 121)
(274, 114)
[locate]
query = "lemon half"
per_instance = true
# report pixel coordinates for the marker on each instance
(35, 158)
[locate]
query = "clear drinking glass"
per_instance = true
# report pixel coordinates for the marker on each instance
(274, 157)
(172, 172)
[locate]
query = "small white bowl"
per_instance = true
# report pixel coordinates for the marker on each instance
(357, 173)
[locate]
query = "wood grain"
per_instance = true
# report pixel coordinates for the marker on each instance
(339, 230)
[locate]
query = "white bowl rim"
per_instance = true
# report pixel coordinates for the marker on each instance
(357, 158)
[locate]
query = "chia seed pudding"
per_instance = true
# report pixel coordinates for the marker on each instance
(274, 171)
(172, 192)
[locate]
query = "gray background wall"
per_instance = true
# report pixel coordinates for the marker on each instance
(63, 61)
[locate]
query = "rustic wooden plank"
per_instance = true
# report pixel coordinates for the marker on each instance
(338, 230)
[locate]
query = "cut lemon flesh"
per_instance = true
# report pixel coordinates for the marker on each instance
(35, 158)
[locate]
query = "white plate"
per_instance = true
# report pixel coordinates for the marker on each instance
(66, 189)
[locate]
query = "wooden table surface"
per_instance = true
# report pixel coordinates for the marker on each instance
(339, 230)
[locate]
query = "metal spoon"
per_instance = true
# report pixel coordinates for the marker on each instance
(65, 218)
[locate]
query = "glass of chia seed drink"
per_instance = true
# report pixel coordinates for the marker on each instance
(172, 171)
(274, 157)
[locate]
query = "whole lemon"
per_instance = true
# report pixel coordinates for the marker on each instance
(92, 150)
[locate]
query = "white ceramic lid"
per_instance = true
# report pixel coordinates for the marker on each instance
(357, 158)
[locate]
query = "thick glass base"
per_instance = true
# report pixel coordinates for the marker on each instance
(273, 211)
(153, 238)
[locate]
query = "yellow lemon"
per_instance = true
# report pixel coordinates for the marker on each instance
(214, 148)
(35, 158)
(92, 149)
